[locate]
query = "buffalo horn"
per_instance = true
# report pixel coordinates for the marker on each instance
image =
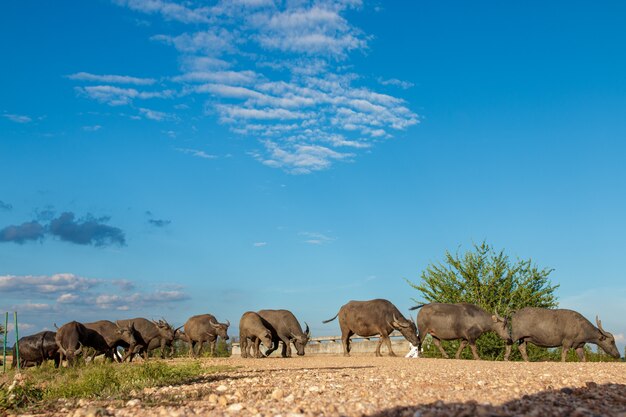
(397, 323)
(227, 323)
(307, 331)
(599, 323)
(80, 349)
(214, 325)
(178, 328)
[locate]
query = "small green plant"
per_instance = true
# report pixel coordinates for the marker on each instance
(35, 387)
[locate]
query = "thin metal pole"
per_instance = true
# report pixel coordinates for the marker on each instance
(4, 350)
(17, 339)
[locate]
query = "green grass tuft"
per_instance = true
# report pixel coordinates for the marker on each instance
(44, 385)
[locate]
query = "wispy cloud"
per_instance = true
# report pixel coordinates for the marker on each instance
(111, 79)
(156, 115)
(93, 128)
(60, 290)
(159, 222)
(17, 118)
(316, 238)
(259, 244)
(5, 206)
(395, 82)
(46, 284)
(197, 153)
(275, 72)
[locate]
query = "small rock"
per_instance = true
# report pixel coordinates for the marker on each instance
(277, 394)
(213, 399)
(235, 407)
(289, 398)
(222, 401)
(133, 403)
(221, 388)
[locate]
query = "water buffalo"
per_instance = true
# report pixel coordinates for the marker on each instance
(252, 327)
(37, 348)
(552, 328)
(373, 318)
(285, 328)
(115, 335)
(72, 337)
(204, 328)
(149, 335)
(458, 321)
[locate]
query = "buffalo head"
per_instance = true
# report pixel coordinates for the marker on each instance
(500, 326)
(606, 341)
(407, 328)
(221, 329)
(301, 340)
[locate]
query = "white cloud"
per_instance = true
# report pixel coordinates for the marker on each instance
(117, 96)
(226, 77)
(169, 10)
(93, 128)
(156, 115)
(276, 71)
(44, 284)
(405, 85)
(18, 118)
(300, 159)
(196, 153)
(111, 79)
(316, 238)
(259, 244)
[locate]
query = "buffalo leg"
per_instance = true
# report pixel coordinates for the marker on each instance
(200, 344)
(257, 347)
(460, 350)
(437, 343)
(380, 343)
(564, 353)
(242, 347)
(388, 343)
(474, 350)
(507, 352)
(345, 340)
(286, 351)
(522, 350)
(580, 351)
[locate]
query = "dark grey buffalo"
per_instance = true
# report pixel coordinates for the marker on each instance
(552, 328)
(72, 337)
(37, 348)
(458, 321)
(373, 318)
(204, 328)
(252, 327)
(285, 328)
(149, 335)
(115, 335)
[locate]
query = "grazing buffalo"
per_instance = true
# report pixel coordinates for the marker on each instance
(552, 328)
(114, 335)
(458, 321)
(252, 327)
(285, 328)
(37, 348)
(204, 328)
(72, 337)
(149, 335)
(373, 318)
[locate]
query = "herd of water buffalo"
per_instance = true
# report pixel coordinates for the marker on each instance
(466, 322)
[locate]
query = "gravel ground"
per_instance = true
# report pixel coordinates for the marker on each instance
(370, 386)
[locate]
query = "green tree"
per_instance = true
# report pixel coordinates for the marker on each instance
(489, 279)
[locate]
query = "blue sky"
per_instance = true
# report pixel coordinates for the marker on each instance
(166, 158)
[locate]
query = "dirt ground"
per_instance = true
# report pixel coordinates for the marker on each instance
(370, 386)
